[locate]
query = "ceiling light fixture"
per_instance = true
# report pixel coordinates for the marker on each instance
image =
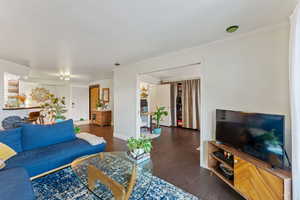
(232, 29)
(65, 77)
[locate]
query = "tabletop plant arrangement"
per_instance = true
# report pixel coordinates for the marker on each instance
(158, 116)
(101, 105)
(139, 148)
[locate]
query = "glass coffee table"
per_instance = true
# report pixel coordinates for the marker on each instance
(113, 175)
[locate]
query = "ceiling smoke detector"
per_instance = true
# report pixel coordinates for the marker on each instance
(232, 29)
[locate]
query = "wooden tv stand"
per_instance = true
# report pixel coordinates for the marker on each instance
(252, 178)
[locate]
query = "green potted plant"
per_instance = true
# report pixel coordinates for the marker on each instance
(77, 129)
(158, 117)
(139, 146)
(54, 108)
(100, 104)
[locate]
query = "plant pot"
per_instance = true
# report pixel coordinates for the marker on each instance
(136, 152)
(99, 109)
(59, 120)
(156, 131)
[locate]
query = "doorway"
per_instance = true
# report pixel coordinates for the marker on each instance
(94, 94)
(178, 90)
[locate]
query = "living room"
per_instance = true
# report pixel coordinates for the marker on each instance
(247, 56)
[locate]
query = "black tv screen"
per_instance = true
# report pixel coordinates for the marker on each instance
(260, 135)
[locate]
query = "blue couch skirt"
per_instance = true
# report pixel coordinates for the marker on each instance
(38, 161)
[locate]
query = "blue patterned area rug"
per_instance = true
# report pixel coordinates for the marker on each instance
(63, 185)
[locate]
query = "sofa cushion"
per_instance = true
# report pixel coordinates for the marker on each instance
(12, 138)
(44, 159)
(15, 185)
(36, 136)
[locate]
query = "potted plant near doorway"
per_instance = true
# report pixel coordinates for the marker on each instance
(158, 116)
(139, 146)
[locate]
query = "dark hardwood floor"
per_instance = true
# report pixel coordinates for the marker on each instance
(176, 160)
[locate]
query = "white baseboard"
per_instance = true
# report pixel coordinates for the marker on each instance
(121, 136)
(78, 123)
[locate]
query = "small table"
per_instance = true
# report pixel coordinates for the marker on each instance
(114, 171)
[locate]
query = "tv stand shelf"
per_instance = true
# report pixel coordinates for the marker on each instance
(252, 178)
(222, 161)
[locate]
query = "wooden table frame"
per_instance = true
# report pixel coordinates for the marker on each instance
(119, 191)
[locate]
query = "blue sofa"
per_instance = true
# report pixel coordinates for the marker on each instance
(42, 148)
(15, 185)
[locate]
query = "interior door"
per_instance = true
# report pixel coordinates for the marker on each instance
(94, 96)
(80, 103)
(256, 183)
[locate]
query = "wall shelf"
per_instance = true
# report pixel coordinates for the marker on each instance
(21, 108)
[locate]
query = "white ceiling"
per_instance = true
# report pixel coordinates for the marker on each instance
(85, 37)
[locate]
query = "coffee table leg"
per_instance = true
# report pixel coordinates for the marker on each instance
(95, 174)
(101, 155)
(91, 178)
(131, 183)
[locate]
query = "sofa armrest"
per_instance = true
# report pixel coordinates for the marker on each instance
(15, 185)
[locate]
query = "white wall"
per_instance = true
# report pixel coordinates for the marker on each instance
(248, 73)
(160, 95)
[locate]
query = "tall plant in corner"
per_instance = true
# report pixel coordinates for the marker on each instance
(54, 108)
(158, 116)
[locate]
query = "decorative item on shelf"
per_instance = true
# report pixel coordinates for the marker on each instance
(144, 93)
(226, 172)
(54, 108)
(105, 95)
(101, 105)
(225, 156)
(228, 156)
(139, 149)
(22, 99)
(158, 117)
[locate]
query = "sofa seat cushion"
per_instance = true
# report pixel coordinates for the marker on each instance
(15, 185)
(44, 159)
(12, 138)
(36, 136)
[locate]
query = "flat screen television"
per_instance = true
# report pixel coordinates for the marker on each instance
(260, 135)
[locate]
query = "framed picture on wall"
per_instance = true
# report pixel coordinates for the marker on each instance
(105, 95)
